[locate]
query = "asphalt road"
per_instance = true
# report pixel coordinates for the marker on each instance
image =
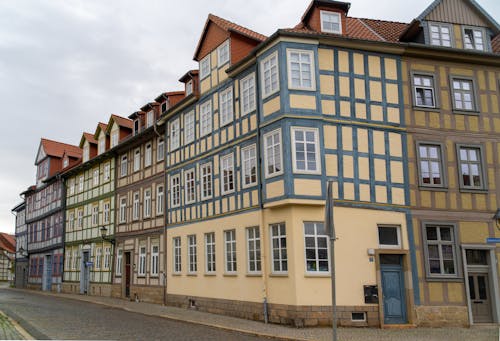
(46, 317)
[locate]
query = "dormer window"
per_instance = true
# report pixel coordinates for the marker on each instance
(223, 53)
(136, 126)
(164, 106)
(189, 87)
(102, 145)
(114, 139)
(65, 162)
(330, 22)
(205, 67)
(85, 153)
(149, 119)
(440, 34)
(473, 39)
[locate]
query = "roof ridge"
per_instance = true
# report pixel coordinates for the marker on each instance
(370, 29)
(383, 20)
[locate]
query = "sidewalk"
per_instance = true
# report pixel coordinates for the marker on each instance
(10, 330)
(274, 331)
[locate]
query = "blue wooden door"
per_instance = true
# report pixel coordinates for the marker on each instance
(393, 289)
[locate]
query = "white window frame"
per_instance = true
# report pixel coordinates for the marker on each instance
(423, 87)
(71, 186)
(248, 162)
(189, 127)
(147, 203)
(80, 183)
(95, 215)
(123, 210)
(102, 145)
(123, 166)
(230, 258)
(107, 257)
(473, 45)
(205, 67)
(305, 130)
(210, 253)
(175, 187)
(79, 221)
(206, 181)
(276, 171)
(270, 65)
(192, 254)
(137, 159)
(155, 258)
(440, 33)
(226, 106)
(279, 237)
(86, 153)
(223, 53)
(160, 197)
(175, 130)
(107, 172)
(463, 93)
(114, 138)
(389, 246)
(149, 118)
(316, 236)
(142, 261)
(119, 258)
(301, 65)
(189, 87)
(323, 19)
(98, 257)
(227, 165)
(148, 155)
(106, 210)
(254, 253)
(440, 243)
(190, 186)
(206, 118)
(95, 177)
(135, 206)
(177, 255)
(160, 152)
(247, 94)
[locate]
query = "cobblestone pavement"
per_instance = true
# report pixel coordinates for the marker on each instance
(246, 327)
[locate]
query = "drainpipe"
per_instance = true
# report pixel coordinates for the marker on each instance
(63, 232)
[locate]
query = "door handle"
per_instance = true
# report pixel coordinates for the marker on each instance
(480, 302)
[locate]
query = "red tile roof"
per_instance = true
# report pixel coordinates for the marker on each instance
(101, 125)
(356, 28)
(122, 121)
(7, 242)
(57, 149)
(90, 137)
(388, 30)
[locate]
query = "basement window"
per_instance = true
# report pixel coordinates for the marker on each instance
(358, 316)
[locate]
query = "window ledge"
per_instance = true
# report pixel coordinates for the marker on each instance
(433, 188)
(226, 274)
(433, 109)
(467, 112)
(257, 274)
(210, 274)
(192, 274)
(444, 279)
(176, 274)
(317, 275)
(278, 275)
(472, 190)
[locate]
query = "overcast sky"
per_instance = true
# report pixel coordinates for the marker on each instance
(67, 64)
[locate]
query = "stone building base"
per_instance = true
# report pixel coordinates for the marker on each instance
(96, 289)
(298, 316)
(150, 294)
(442, 316)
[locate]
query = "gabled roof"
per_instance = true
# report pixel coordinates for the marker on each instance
(100, 127)
(149, 105)
(227, 26)
(89, 137)
(329, 3)
(166, 95)
(120, 121)
(57, 149)
(188, 75)
(388, 30)
(7, 242)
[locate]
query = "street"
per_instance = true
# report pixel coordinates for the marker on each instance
(48, 317)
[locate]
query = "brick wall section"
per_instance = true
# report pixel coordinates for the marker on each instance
(213, 38)
(315, 18)
(240, 47)
(442, 316)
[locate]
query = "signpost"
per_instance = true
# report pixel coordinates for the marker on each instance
(330, 230)
(493, 240)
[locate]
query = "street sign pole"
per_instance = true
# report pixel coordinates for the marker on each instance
(330, 229)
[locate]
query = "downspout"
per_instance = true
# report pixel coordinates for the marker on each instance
(262, 229)
(63, 232)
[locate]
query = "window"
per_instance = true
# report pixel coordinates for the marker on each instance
(272, 152)
(95, 215)
(80, 183)
(142, 261)
(75, 260)
(174, 134)
(149, 118)
(330, 22)
(95, 178)
(470, 166)
(155, 256)
(463, 94)
(98, 258)
(210, 252)
(189, 127)
(227, 171)
(177, 254)
(206, 181)
(223, 53)
(114, 138)
(278, 248)
(316, 247)
(106, 213)
(226, 106)
(247, 93)
(305, 150)
(71, 220)
(175, 185)
(107, 172)
(473, 39)
(230, 250)
(137, 160)
(389, 237)
(301, 70)
(65, 162)
(192, 256)
(424, 91)
(253, 246)
(148, 155)
(85, 153)
(205, 67)
(119, 257)
(164, 106)
(160, 153)
(102, 145)
(79, 222)
(430, 165)
(135, 207)
(440, 250)
(249, 165)
(159, 200)
(71, 186)
(107, 257)
(189, 87)
(206, 118)
(136, 126)
(123, 166)
(123, 210)
(440, 34)
(147, 203)
(269, 69)
(189, 183)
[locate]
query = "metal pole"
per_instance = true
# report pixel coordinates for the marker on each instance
(334, 303)
(330, 230)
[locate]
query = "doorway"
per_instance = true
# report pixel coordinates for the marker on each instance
(480, 298)
(47, 274)
(127, 274)
(85, 272)
(393, 289)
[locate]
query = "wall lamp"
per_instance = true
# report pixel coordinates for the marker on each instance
(104, 232)
(496, 218)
